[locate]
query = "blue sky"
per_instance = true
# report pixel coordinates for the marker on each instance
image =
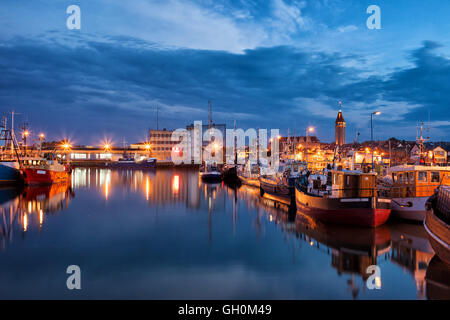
(267, 64)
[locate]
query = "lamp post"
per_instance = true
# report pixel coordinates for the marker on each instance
(310, 129)
(41, 138)
(371, 131)
(26, 133)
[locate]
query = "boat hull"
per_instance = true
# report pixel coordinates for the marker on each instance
(412, 208)
(34, 176)
(9, 173)
(280, 190)
(210, 176)
(133, 165)
(361, 212)
(254, 182)
(439, 235)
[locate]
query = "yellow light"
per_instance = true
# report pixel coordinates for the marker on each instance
(176, 184)
(147, 146)
(279, 137)
(147, 188)
(311, 129)
(26, 133)
(41, 217)
(377, 113)
(42, 136)
(25, 222)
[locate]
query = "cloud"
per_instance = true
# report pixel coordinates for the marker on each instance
(106, 83)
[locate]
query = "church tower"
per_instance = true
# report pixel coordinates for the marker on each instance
(340, 128)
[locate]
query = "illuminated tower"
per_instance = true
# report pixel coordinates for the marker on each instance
(340, 129)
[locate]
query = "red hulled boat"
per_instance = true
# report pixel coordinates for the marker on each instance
(342, 197)
(39, 171)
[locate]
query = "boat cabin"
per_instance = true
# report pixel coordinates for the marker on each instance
(353, 184)
(418, 181)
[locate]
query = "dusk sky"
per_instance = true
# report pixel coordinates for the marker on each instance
(267, 64)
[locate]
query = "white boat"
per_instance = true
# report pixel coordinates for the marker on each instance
(412, 185)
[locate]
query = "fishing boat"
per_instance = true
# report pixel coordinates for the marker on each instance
(249, 174)
(347, 197)
(9, 172)
(282, 183)
(412, 185)
(229, 173)
(437, 223)
(210, 172)
(40, 171)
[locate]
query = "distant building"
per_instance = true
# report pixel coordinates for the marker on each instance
(161, 144)
(340, 129)
(195, 139)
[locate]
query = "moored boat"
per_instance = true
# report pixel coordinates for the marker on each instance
(249, 174)
(282, 183)
(133, 163)
(9, 173)
(210, 172)
(343, 197)
(437, 223)
(412, 185)
(40, 171)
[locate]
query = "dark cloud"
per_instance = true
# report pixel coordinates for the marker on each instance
(113, 84)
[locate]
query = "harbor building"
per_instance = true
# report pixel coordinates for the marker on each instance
(340, 129)
(161, 144)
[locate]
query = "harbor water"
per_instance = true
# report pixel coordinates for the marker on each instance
(164, 234)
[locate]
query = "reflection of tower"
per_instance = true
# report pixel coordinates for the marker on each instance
(340, 128)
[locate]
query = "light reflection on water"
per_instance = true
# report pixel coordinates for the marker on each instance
(165, 234)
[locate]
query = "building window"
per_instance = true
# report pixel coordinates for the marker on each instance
(423, 176)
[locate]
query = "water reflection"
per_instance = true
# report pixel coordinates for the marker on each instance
(169, 217)
(28, 207)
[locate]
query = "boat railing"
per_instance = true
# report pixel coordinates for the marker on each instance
(409, 191)
(342, 192)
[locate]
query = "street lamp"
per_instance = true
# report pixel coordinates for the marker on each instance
(310, 129)
(371, 130)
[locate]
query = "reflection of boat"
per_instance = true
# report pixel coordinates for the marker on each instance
(351, 200)
(9, 172)
(210, 172)
(437, 222)
(39, 171)
(412, 251)
(282, 183)
(249, 174)
(438, 280)
(353, 248)
(47, 198)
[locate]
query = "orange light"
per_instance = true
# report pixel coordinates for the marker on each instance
(25, 222)
(311, 129)
(176, 183)
(147, 146)
(42, 136)
(26, 133)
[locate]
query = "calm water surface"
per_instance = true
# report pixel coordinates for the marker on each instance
(164, 234)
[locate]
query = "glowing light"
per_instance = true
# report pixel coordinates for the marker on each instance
(106, 190)
(25, 222)
(147, 188)
(377, 113)
(310, 129)
(147, 146)
(41, 217)
(279, 137)
(176, 183)
(311, 243)
(42, 136)
(26, 133)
